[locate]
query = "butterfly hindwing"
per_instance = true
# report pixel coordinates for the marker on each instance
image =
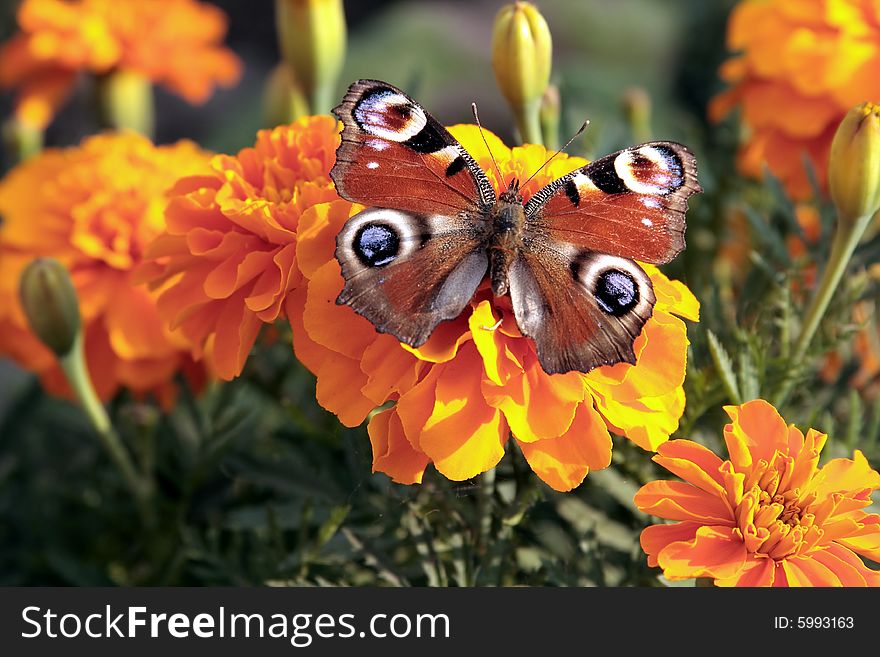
(406, 273)
(631, 203)
(583, 309)
(394, 154)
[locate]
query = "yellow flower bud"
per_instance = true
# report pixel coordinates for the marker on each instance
(521, 59)
(854, 165)
(50, 304)
(21, 139)
(125, 102)
(283, 101)
(312, 37)
(637, 110)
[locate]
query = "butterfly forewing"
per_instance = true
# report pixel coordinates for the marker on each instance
(395, 155)
(631, 203)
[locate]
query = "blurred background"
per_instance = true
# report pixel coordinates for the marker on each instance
(255, 492)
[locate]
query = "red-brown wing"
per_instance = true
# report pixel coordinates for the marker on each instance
(583, 309)
(394, 154)
(407, 272)
(631, 203)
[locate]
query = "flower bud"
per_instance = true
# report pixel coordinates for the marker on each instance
(50, 304)
(283, 101)
(21, 139)
(521, 59)
(312, 34)
(125, 102)
(854, 165)
(637, 109)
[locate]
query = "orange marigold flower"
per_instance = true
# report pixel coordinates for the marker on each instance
(226, 262)
(95, 207)
(477, 380)
(767, 516)
(176, 43)
(802, 64)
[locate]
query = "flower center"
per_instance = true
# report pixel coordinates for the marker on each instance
(776, 520)
(114, 228)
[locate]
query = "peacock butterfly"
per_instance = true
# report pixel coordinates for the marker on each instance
(566, 255)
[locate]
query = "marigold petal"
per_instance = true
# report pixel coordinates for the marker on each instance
(847, 556)
(134, 328)
(677, 500)
(237, 331)
(563, 462)
(336, 327)
(389, 369)
(316, 234)
(694, 463)
(338, 389)
(757, 571)
(392, 452)
(656, 537)
(843, 474)
(444, 342)
(488, 340)
(844, 570)
(805, 571)
(308, 352)
(756, 431)
(536, 405)
(648, 422)
(673, 297)
(716, 552)
(463, 436)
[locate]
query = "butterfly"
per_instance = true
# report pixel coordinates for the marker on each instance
(435, 228)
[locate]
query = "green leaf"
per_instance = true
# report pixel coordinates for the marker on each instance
(724, 366)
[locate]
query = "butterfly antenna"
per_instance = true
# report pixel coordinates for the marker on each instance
(567, 144)
(480, 126)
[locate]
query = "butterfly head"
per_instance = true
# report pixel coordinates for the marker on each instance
(512, 194)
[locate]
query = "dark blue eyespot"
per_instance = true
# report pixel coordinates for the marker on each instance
(616, 292)
(376, 245)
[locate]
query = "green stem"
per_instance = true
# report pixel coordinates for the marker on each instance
(845, 243)
(74, 366)
(704, 582)
(321, 98)
(528, 121)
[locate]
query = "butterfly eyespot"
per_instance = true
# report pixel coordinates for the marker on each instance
(376, 245)
(616, 292)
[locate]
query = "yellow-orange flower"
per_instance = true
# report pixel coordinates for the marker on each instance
(767, 516)
(475, 382)
(95, 207)
(802, 64)
(176, 43)
(226, 263)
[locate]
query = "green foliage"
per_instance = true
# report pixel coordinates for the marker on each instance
(256, 484)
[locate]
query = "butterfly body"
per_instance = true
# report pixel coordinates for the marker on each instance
(566, 255)
(505, 239)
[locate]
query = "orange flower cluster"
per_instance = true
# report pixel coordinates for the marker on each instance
(95, 208)
(226, 262)
(802, 64)
(477, 379)
(175, 43)
(767, 516)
